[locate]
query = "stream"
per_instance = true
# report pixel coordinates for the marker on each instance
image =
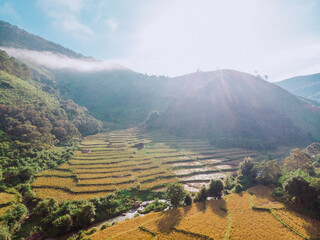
(125, 216)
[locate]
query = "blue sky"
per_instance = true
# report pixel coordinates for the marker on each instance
(279, 38)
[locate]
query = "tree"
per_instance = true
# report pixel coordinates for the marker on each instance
(202, 194)
(305, 194)
(63, 223)
(215, 188)
(152, 119)
(46, 207)
(14, 217)
(228, 182)
(84, 214)
(268, 172)
(188, 200)
(246, 166)
(297, 160)
(176, 193)
(4, 234)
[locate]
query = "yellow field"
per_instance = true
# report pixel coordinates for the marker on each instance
(213, 221)
(4, 209)
(6, 201)
(6, 197)
(262, 197)
(137, 233)
(108, 162)
(124, 227)
(61, 195)
(306, 226)
(248, 223)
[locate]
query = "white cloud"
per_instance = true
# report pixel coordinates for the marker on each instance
(66, 15)
(180, 36)
(112, 24)
(58, 61)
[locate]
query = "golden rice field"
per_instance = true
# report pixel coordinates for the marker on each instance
(6, 202)
(307, 227)
(107, 162)
(229, 218)
(6, 197)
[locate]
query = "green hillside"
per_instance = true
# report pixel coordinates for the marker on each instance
(12, 36)
(44, 116)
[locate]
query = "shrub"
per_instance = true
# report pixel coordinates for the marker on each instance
(188, 200)
(155, 206)
(202, 195)
(176, 193)
(278, 193)
(238, 188)
(215, 188)
(92, 231)
(4, 234)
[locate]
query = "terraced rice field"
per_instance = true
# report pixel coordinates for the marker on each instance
(112, 161)
(229, 218)
(6, 202)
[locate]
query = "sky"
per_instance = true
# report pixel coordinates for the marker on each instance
(277, 38)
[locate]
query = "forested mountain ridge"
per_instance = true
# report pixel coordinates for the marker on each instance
(307, 86)
(12, 36)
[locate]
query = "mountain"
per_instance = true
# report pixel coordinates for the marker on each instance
(12, 36)
(228, 107)
(305, 86)
(228, 104)
(32, 113)
(119, 96)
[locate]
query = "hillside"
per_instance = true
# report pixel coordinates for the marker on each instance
(119, 96)
(233, 104)
(28, 105)
(215, 105)
(12, 36)
(305, 86)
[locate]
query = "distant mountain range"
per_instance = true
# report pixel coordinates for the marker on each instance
(305, 86)
(228, 107)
